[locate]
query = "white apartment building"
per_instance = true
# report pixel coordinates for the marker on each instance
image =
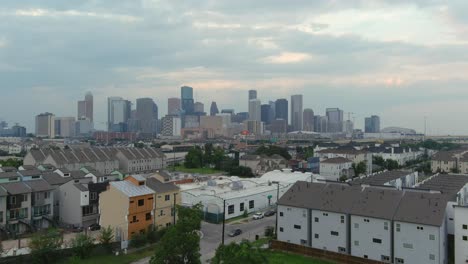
(333, 169)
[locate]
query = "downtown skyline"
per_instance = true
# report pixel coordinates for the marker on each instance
(326, 51)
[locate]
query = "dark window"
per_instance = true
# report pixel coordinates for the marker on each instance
(231, 209)
(316, 219)
(241, 207)
(12, 199)
(316, 236)
(132, 202)
(399, 260)
(297, 227)
(167, 197)
(93, 196)
(385, 258)
(281, 229)
(141, 202)
(334, 233)
(148, 216)
(365, 256)
(251, 204)
(376, 240)
(342, 249)
(465, 238)
(281, 213)
(465, 227)
(134, 219)
(141, 183)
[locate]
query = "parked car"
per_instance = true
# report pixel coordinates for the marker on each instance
(235, 233)
(258, 216)
(270, 213)
(76, 229)
(94, 227)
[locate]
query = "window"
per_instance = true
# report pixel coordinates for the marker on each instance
(385, 258)
(342, 249)
(12, 199)
(431, 256)
(316, 219)
(431, 237)
(297, 227)
(134, 219)
(88, 210)
(281, 213)
(342, 219)
(365, 256)
(161, 213)
(230, 209)
(399, 260)
(398, 226)
(377, 241)
(334, 233)
(25, 197)
(132, 202)
(420, 228)
(46, 195)
(251, 204)
(281, 229)
(325, 214)
(465, 227)
(366, 220)
(141, 183)
(241, 207)
(148, 216)
(93, 196)
(316, 236)
(141, 202)
(356, 243)
(167, 197)
(386, 226)
(1, 216)
(356, 225)
(409, 246)
(465, 238)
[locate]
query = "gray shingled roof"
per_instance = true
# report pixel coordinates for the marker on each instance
(4, 175)
(16, 188)
(381, 178)
(422, 208)
(3, 192)
(338, 160)
(39, 185)
(34, 172)
(160, 187)
(81, 187)
(377, 202)
(449, 184)
(130, 190)
(54, 178)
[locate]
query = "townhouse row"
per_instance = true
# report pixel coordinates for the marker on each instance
(373, 222)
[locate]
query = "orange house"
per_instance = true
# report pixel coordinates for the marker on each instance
(127, 207)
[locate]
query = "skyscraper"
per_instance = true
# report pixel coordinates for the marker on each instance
(45, 125)
(214, 109)
(85, 108)
(255, 110)
(281, 107)
(146, 116)
(119, 111)
(252, 94)
(173, 106)
(65, 126)
(308, 120)
(372, 124)
(266, 114)
(187, 99)
(296, 112)
(335, 120)
(199, 108)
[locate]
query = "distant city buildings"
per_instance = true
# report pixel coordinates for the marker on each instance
(255, 110)
(372, 124)
(146, 116)
(335, 120)
(65, 126)
(252, 94)
(281, 110)
(296, 112)
(86, 107)
(173, 106)
(119, 111)
(45, 125)
(187, 100)
(266, 115)
(171, 126)
(308, 120)
(214, 109)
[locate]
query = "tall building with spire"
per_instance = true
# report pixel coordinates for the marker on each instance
(214, 109)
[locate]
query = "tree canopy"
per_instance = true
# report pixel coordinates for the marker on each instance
(271, 150)
(243, 252)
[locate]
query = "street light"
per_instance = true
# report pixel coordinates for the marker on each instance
(224, 220)
(277, 200)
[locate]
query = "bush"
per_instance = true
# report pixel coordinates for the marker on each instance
(44, 246)
(138, 240)
(106, 237)
(246, 213)
(269, 231)
(82, 245)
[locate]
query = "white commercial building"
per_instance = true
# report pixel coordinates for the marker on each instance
(333, 169)
(240, 194)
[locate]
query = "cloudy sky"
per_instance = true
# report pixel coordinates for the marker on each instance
(402, 60)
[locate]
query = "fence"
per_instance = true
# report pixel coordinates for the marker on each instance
(318, 253)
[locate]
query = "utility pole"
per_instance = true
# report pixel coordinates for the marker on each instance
(277, 200)
(174, 209)
(224, 220)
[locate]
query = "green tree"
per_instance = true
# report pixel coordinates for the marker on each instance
(106, 236)
(241, 171)
(272, 150)
(359, 168)
(44, 245)
(82, 245)
(208, 155)
(218, 157)
(194, 158)
(391, 164)
(244, 253)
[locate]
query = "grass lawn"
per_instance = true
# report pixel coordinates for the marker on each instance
(112, 259)
(196, 170)
(276, 257)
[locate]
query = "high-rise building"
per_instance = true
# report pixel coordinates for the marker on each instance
(281, 109)
(335, 120)
(252, 95)
(296, 112)
(119, 112)
(240, 117)
(171, 126)
(266, 114)
(85, 108)
(83, 127)
(372, 124)
(65, 127)
(272, 110)
(308, 120)
(214, 109)
(254, 127)
(228, 111)
(173, 106)
(45, 125)
(320, 124)
(255, 112)
(279, 127)
(146, 116)
(187, 99)
(199, 108)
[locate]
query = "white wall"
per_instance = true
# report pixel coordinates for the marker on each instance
(293, 225)
(333, 171)
(323, 228)
(461, 246)
(363, 232)
(421, 247)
